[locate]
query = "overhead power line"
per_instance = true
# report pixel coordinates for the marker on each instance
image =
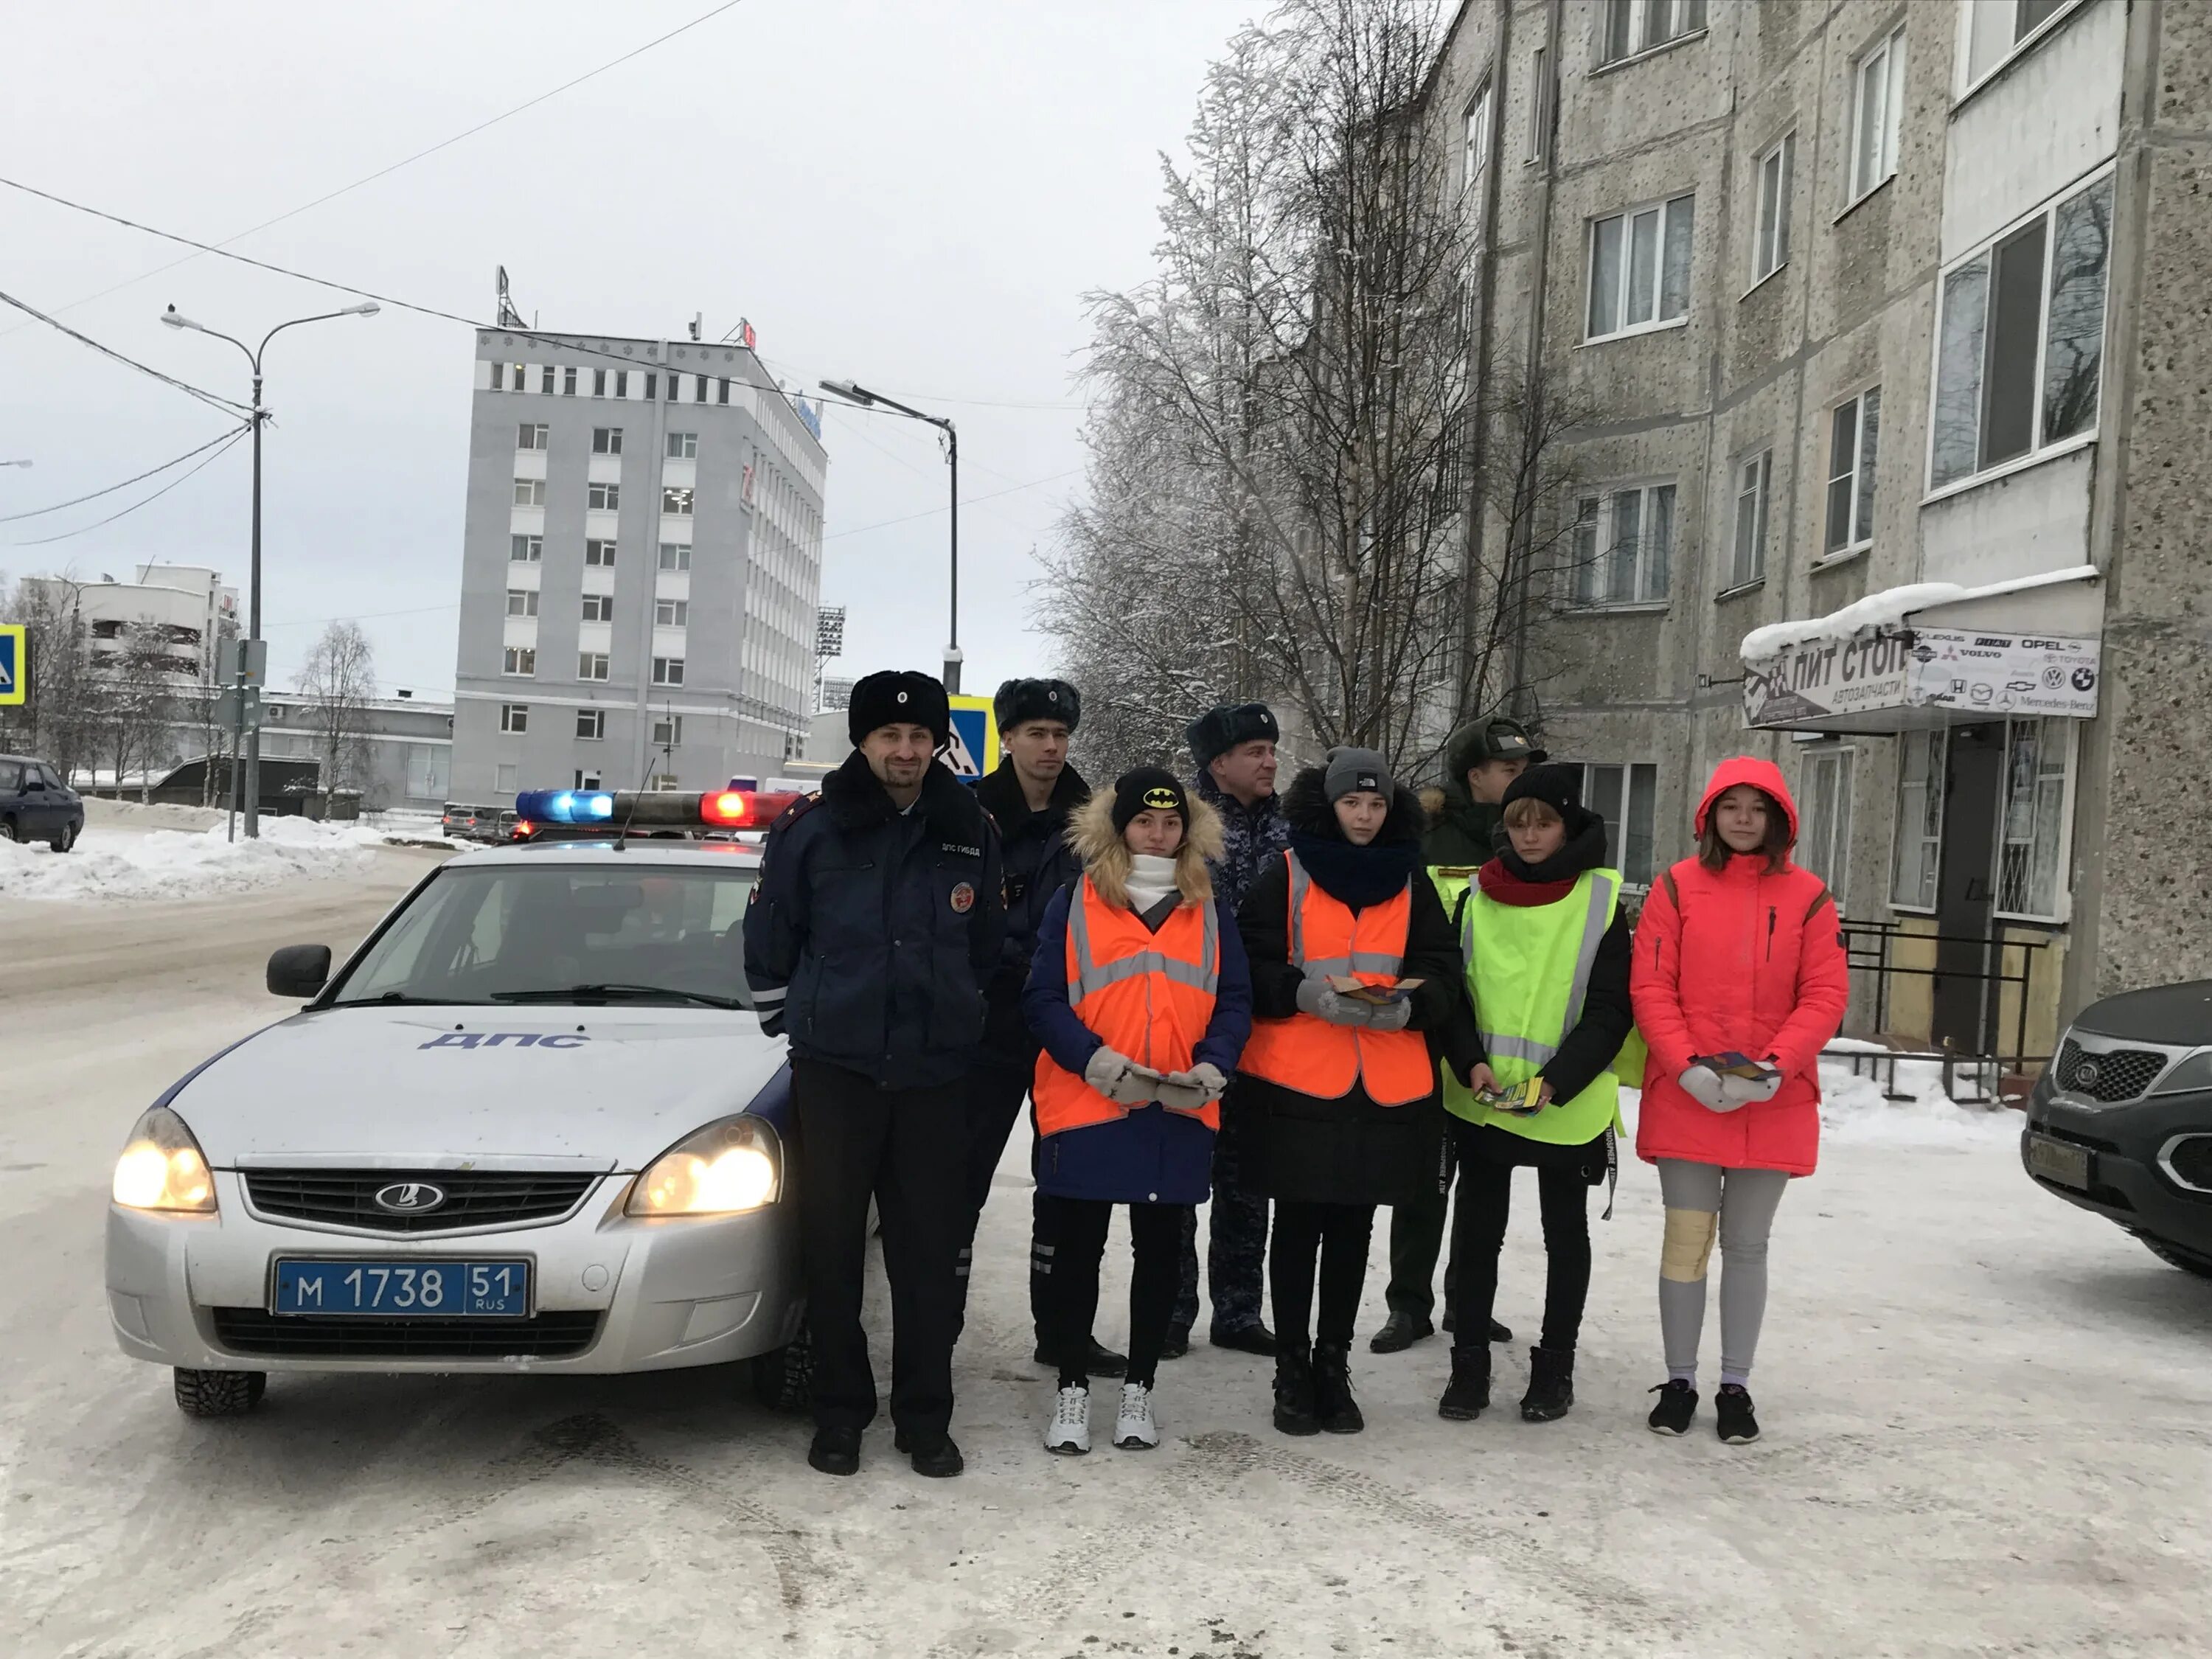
(965, 500)
(207, 398)
(41, 541)
(78, 500)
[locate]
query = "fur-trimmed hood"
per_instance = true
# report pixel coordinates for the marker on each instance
(1093, 838)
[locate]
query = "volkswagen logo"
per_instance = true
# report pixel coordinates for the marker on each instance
(410, 1198)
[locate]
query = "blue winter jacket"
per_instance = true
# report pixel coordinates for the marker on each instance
(1152, 1156)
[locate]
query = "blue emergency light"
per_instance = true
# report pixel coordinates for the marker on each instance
(716, 809)
(566, 805)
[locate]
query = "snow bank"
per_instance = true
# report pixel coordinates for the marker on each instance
(170, 865)
(1854, 1110)
(1890, 607)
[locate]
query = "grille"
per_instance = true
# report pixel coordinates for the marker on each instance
(474, 1198)
(2189, 1158)
(2122, 1074)
(250, 1330)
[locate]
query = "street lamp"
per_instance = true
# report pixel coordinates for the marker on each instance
(24, 465)
(251, 741)
(865, 399)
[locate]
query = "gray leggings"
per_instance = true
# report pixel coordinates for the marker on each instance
(1744, 1202)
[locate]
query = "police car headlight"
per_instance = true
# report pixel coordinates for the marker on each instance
(162, 1168)
(728, 1167)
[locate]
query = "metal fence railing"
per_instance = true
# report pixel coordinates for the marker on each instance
(1871, 949)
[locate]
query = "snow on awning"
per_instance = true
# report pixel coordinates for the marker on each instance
(1875, 666)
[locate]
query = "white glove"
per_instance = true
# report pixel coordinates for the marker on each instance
(1747, 1091)
(1391, 1016)
(1707, 1087)
(1207, 1076)
(1315, 998)
(1193, 1090)
(1114, 1075)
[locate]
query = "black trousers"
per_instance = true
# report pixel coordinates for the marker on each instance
(1485, 1198)
(1236, 1242)
(1417, 1239)
(907, 1148)
(1078, 1227)
(996, 1090)
(1338, 1235)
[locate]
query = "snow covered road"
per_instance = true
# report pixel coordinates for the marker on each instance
(1988, 1432)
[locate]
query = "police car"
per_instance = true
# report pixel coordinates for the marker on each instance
(532, 1124)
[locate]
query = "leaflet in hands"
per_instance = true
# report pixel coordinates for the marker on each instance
(1733, 1064)
(1520, 1099)
(1175, 1094)
(1381, 995)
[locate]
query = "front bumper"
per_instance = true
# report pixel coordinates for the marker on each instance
(2127, 1183)
(612, 1293)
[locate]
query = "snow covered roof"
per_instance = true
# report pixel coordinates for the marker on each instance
(1890, 607)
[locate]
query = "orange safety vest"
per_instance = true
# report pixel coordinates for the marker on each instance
(1147, 995)
(1310, 1056)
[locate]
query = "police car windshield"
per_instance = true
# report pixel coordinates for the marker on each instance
(553, 933)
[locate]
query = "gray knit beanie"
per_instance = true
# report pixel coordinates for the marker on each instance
(1350, 770)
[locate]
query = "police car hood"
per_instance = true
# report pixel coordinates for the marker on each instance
(430, 1088)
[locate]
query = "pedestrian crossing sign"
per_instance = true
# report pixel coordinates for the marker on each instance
(974, 747)
(15, 674)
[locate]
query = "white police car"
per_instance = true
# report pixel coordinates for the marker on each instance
(530, 1125)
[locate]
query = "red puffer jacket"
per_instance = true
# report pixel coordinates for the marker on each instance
(1738, 959)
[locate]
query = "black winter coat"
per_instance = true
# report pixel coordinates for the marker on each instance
(872, 933)
(1346, 1149)
(1038, 864)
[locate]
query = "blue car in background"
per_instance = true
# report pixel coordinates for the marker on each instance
(35, 805)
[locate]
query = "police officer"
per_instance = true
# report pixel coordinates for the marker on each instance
(1480, 759)
(874, 927)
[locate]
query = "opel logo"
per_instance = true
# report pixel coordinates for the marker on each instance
(410, 1198)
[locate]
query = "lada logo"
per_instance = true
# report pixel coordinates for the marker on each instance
(410, 1198)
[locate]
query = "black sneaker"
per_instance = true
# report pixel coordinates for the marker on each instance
(1732, 1405)
(936, 1457)
(1468, 1392)
(1294, 1392)
(1254, 1338)
(1551, 1385)
(1338, 1412)
(1399, 1333)
(836, 1451)
(1176, 1345)
(1678, 1404)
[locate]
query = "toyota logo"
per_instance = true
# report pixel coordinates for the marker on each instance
(410, 1198)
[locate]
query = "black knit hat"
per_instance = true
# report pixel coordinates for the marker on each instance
(1559, 787)
(898, 697)
(1020, 700)
(1147, 789)
(1217, 731)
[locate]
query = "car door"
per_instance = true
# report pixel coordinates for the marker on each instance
(61, 802)
(39, 817)
(11, 797)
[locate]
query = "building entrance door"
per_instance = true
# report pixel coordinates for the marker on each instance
(1965, 1012)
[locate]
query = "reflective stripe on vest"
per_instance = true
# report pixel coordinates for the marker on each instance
(1087, 974)
(1360, 962)
(1536, 1048)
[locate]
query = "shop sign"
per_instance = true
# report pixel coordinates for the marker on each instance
(1879, 674)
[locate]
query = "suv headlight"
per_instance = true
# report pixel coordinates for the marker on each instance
(162, 1168)
(731, 1165)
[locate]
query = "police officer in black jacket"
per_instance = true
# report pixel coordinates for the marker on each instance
(873, 929)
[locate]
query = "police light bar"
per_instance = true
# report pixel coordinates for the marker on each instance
(656, 809)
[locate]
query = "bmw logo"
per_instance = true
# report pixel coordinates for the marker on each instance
(409, 1197)
(2085, 1076)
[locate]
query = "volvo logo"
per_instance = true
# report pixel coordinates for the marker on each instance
(410, 1198)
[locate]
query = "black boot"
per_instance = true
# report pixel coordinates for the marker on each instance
(1551, 1385)
(1333, 1402)
(1294, 1391)
(1468, 1391)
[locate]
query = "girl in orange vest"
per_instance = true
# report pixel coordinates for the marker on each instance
(1139, 995)
(1339, 1093)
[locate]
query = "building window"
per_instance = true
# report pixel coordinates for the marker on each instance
(603, 498)
(598, 607)
(606, 440)
(498, 377)
(621, 383)
(676, 501)
(591, 725)
(2019, 347)
(598, 383)
(1853, 430)
(504, 779)
(600, 554)
(2000, 28)
(1541, 103)
(1770, 249)
(1626, 797)
(1475, 144)
(545, 373)
(1877, 102)
(521, 601)
(585, 779)
(722, 391)
(519, 659)
(2031, 849)
(1623, 543)
(675, 388)
(1823, 802)
(526, 549)
(1918, 853)
(682, 446)
(671, 613)
(667, 671)
(529, 492)
(663, 782)
(1640, 268)
(590, 664)
(651, 387)
(530, 435)
(1754, 488)
(667, 730)
(675, 555)
(514, 717)
(567, 382)
(1628, 26)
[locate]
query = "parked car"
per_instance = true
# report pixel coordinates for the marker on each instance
(2120, 1122)
(464, 823)
(35, 805)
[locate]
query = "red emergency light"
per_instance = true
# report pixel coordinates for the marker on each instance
(743, 809)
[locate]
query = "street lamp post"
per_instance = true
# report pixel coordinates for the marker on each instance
(249, 739)
(853, 393)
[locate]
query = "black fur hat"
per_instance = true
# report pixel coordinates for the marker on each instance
(1217, 731)
(895, 696)
(1018, 700)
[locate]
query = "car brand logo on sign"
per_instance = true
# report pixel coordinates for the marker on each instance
(410, 1198)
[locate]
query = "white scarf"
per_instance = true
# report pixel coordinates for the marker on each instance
(1151, 878)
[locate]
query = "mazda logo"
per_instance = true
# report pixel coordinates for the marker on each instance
(410, 1198)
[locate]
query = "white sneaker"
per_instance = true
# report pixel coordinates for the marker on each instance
(1069, 1434)
(1133, 1428)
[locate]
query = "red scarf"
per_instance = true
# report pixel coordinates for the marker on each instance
(1502, 884)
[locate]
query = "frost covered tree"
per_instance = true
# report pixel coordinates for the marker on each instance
(336, 683)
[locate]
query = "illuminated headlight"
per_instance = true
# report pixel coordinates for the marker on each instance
(728, 1167)
(162, 1168)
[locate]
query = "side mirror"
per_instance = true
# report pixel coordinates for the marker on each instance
(299, 971)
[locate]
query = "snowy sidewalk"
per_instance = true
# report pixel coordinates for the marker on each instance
(123, 861)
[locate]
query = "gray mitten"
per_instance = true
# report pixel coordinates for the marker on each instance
(1707, 1087)
(1108, 1070)
(1391, 1016)
(1749, 1091)
(1207, 1076)
(1315, 998)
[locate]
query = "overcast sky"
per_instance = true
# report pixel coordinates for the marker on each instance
(913, 196)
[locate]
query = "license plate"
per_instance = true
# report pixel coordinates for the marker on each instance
(2060, 1161)
(412, 1289)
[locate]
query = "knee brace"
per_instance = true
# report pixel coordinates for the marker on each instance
(1688, 1245)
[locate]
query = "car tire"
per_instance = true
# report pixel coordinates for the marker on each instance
(218, 1394)
(2174, 1256)
(9, 831)
(783, 1379)
(66, 838)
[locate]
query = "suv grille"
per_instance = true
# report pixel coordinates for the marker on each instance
(473, 1198)
(2121, 1074)
(250, 1330)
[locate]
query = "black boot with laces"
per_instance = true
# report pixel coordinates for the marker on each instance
(1294, 1391)
(1333, 1405)
(1551, 1385)
(1468, 1391)
(1678, 1404)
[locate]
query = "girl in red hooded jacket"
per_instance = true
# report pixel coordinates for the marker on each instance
(1739, 952)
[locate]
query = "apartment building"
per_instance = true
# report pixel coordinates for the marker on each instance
(196, 616)
(640, 567)
(1890, 317)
